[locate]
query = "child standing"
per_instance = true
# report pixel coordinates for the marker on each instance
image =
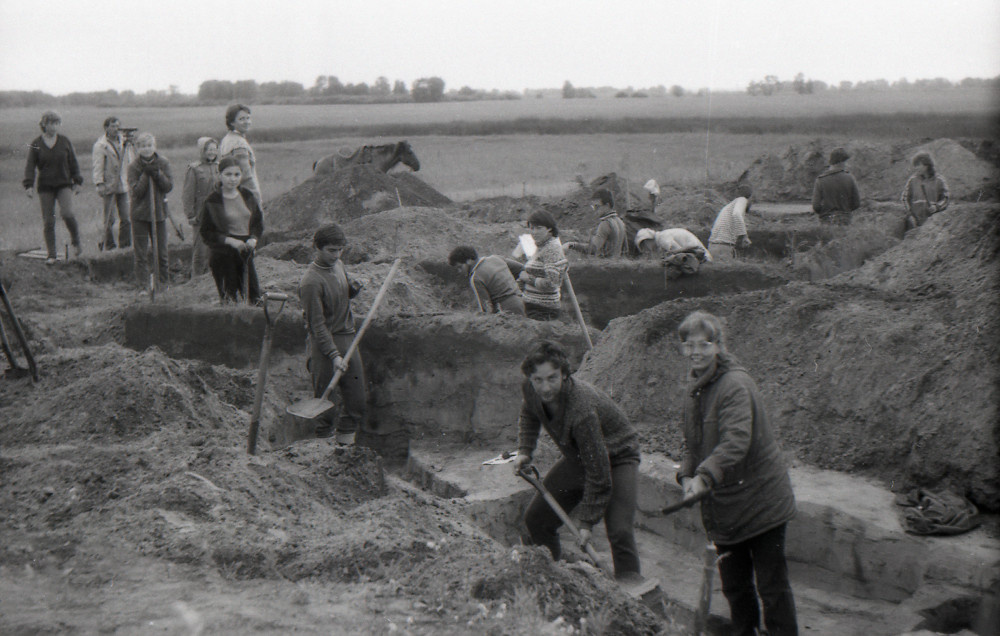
(925, 192)
(201, 179)
(149, 181)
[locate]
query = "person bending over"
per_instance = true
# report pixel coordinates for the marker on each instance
(491, 281)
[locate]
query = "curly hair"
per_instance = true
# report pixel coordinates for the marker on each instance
(462, 254)
(546, 351)
(705, 324)
(925, 159)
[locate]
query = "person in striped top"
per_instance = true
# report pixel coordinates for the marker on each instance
(543, 273)
(925, 192)
(729, 231)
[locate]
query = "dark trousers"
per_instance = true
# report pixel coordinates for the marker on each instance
(228, 268)
(47, 200)
(541, 312)
(116, 202)
(351, 385)
(565, 482)
(143, 251)
(761, 558)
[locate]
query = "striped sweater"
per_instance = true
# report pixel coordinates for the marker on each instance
(547, 269)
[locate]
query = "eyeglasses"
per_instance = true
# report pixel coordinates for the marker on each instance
(701, 347)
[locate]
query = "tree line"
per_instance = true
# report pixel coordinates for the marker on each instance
(771, 85)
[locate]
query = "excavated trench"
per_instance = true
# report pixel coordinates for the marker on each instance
(444, 395)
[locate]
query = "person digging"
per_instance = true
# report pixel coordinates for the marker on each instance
(325, 293)
(599, 468)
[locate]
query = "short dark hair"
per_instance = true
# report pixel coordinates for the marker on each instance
(462, 254)
(543, 219)
(925, 158)
(546, 351)
(110, 120)
(228, 162)
(605, 197)
(706, 324)
(232, 112)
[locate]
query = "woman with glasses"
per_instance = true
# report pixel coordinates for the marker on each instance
(732, 460)
(543, 273)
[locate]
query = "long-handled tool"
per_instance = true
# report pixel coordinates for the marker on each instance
(674, 507)
(265, 357)
(530, 475)
(568, 284)
(245, 282)
(154, 285)
(314, 407)
(21, 338)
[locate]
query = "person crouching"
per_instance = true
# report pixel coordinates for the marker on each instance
(231, 225)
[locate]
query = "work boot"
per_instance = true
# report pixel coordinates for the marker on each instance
(345, 439)
(324, 431)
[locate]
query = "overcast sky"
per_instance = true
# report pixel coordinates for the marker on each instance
(60, 46)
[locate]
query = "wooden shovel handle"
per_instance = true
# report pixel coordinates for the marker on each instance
(364, 327)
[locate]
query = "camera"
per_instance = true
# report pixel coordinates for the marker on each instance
(127, 133)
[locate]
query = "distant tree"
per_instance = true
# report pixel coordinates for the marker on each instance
(333, 86)
(771, 85)
(677, 90)
(568, 92)
(399, 88)
(427, 89)
(245, 90)
(621, 94)
(802, 86)
(845, 85)
(381, 86)
(639, 94)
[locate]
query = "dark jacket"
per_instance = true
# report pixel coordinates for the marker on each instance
(212, 219)
(588, 428)
(728, 440)
(138, 187)
(492, 283)
(57, 166)
(835, 191)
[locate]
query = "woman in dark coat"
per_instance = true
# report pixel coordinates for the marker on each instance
(232, 224)
(732, 457)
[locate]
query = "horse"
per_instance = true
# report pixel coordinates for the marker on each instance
(381, 157)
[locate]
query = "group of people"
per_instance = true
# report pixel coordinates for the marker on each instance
(221, 199)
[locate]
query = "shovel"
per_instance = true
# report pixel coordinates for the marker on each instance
(245, 281)
(530, 475)
(21, 338)
(674, 507)
(265, 356)
(568, 284)
(314, 407)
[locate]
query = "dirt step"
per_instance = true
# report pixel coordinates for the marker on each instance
(853, 569)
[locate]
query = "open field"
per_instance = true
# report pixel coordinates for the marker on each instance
(849, 111)
(462, 168)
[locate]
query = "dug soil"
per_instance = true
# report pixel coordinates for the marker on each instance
(130, 505)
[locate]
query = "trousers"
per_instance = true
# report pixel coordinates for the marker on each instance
(47, 200)
(565, 482)
(116, 202)
(142, 251)
(352, 386)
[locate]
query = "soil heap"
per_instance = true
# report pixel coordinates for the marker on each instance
(347, 194)
(890, 369)
(881, 169)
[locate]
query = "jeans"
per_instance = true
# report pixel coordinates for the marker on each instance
(541, 312)
(565, 482)
(112, 201)
(761, 557)
(352, 386)
(47, 199)
(142, 254)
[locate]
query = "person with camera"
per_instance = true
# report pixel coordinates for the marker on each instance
(52, 157)
(110, 179)
(325, 292)
(231, 225)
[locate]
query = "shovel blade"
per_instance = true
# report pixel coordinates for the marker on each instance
(310, 409)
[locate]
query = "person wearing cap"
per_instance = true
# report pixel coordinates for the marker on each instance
(925, 192)
(235, 144)
(836, 194)
(491, 281)
(609, 237)
(200, 180)
(672, 241)
(325, 293)
(109, 167)
(729, 231)
(231, 224)
(52, 157)
(598, 472)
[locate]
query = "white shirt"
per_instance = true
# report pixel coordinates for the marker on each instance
(677, 239)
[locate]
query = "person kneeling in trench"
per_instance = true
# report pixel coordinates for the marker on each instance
(599, 468)
(325, 293)
(490, 279)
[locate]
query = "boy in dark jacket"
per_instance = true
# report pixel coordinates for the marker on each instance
(836, 194)
(149, 180)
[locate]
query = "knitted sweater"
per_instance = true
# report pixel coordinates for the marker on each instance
(589, 428)
(547, 268)
(57, 166)
(326, 306)
(730, 224)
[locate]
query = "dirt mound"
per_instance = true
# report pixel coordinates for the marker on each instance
(881, 169)
(890, 369)
(345, 195)
(573, 211)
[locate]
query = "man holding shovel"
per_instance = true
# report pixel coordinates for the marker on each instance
(325, 293)
(599, 469)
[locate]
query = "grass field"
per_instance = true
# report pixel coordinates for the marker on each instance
(465, 164)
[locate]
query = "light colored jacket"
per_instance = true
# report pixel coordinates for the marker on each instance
(109, 173)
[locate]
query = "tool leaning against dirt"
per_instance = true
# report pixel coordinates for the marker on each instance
(265, 356)
(245, 280)
(530, 474)
(21, 338)
(314, 407)
(154, 282)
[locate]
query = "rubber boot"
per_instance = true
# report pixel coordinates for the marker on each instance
(345, 439)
